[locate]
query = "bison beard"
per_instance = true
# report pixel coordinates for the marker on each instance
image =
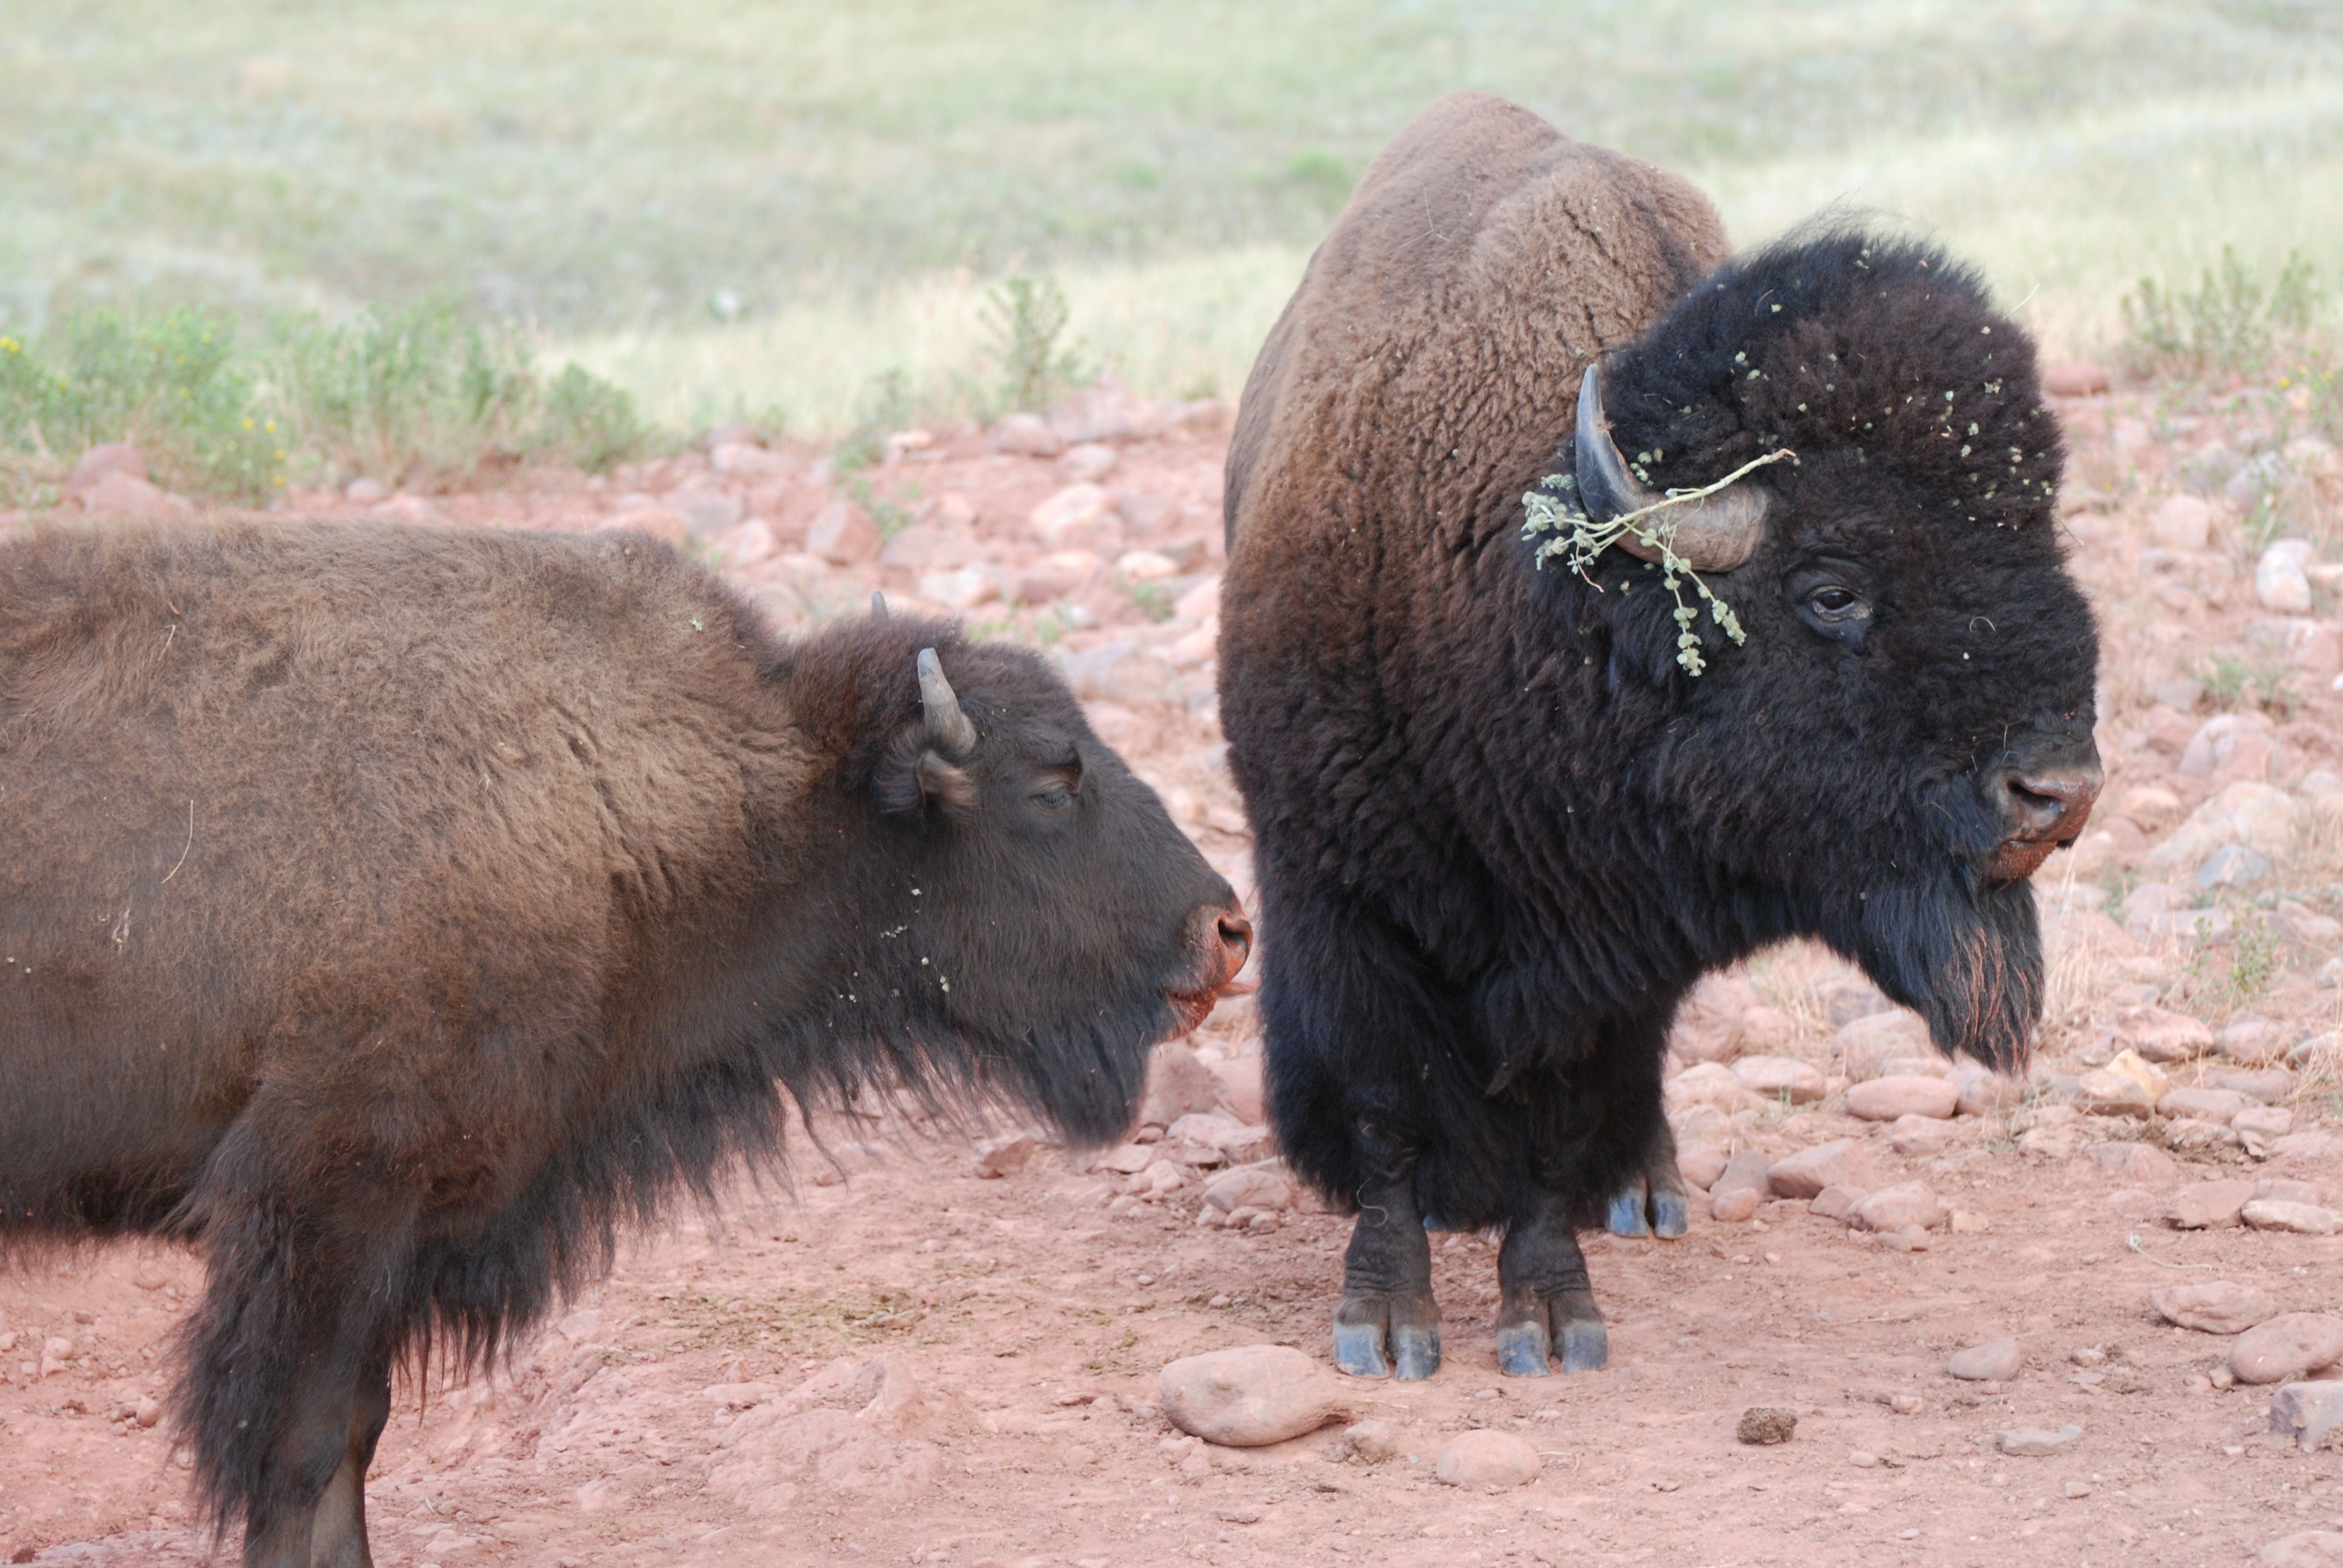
(1503, 821)
(521, 870)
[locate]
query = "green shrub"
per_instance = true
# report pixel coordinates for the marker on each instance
(1024, 318)
(589, 422)
(2227, 325)
(884, 407)
(168, 386)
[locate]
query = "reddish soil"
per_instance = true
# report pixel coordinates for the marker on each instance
(1027, 1322)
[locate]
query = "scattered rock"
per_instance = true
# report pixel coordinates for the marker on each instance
(1372, 1440)
(844, 535)
(2183, 523)
(1982, 1090)
(1003, 1156)
(2137, 1162)
(1913, 1135)
(1488, 1459)
(1732, 1208)
(2230, 865)
(150, 1275)
(106, 458)
(1847, 998)
(964, 588)
(1709, 1083)
(1178, 1083)
(1236, 1142)
(1088, 463)
(118, 495)
(2039, 1442)
(2286, 1191)
(1995, 1360)
(1027, 435)
(1701, 1163)
(2259, 1125)
(2287, 1346)
(1837, 1202)
(1258, 1187)
(1054, 575)
(1241, 1089)
(2209, 1205)
(2304, 1548)
(148, 1412)
(2310, 1413)
(2214, 1307)
(2217, 1105)
(2279, 580)
(1840, 1163)
(1905, 1203)
(2075, 378)
(1079, 517)
(2161, 1036)
(1904, 1094)
(2298, 1219)
(1708, 1024)
(707, 513)
(1766, 1425)
(1772, 1076)
(2102, 1091)
(2255, 814)
(1768, 1030)
(1251, 1396)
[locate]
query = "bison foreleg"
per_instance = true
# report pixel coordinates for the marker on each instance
(1546, 1305)
(1388, 1319)
(1654, 1201)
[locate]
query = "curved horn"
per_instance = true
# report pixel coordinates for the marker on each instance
(1713, 534)
(878, 605)
(947, 720)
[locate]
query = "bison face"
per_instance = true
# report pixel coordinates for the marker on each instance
(1044, 909)
(1904, 734)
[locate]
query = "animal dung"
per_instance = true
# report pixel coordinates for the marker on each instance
(1251, 1396)
(1764, 1424)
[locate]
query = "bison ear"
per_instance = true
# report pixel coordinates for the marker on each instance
(945, 784)
(916, 778)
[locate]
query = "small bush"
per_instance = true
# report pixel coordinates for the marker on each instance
(2225, 325)
(1024, 318)
(884, 409)
(168, 386)
(589, 422)
(2235, 683)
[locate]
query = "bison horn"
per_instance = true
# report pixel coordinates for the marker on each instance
(947, 720)
(1713, 534)
(878, 605)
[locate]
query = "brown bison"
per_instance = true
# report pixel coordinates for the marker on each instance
(394, 913)
(1513, 796)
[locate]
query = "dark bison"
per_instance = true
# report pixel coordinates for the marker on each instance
(396, 912)
(1513, 798)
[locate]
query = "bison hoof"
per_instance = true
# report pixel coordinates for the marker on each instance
(1626, 1217)
(1671, 1214)
(1522, 1350)
(1585, 1345)
(1360, 1350)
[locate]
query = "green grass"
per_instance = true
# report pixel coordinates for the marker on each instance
(729, 207)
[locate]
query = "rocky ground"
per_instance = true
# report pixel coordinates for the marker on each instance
(2042, 1322)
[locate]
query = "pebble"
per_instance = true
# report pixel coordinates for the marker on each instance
(1982, 1091)
(149, 1411)
(2307, 1412)
(2215, 1306)
(2287, 1346)
(2209, 1205)
(1732, 1208)
(707, 513)
(1178, 1083)
(1840, 1163)
(1255, 1187)
(844, 535)
(1862, 1459)
(2304, 1548)
(2286, 1191)
(2298, 1219)
(1708, 1025)
(1764, 1424)
(1772, 1076)
(998, 1157)
(2038, 1442)
(364, 492)
(1241, 1087)
(2254, 1041)
(2139, 1162)
(2259, 1125)
(2103, 1092)
(1488, 1459)
(2161, 1036)
(2073, 1489)
(2183, 523)
(2274, 1083)
(1708, 1083)
(1904, 1094)
(150, 1275)
(1994, 1361)
(1905, 1203)
(1079, 517)
(1373, 1440)
(1251, 1396)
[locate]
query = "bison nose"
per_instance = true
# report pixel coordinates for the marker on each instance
(1236, 946)
(2047, 802)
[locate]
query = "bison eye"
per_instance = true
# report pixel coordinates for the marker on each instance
(1829, 606)
(1053, 796)
(1831, 601)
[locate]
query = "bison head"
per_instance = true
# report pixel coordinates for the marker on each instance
(1903, 732)
(1022, 915)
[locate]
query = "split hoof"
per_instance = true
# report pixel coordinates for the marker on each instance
(1522, 1350)
(1671, 1214)
(1359, 1351)
(1410, 1351)
(1626, 1217)
(1585, 1345)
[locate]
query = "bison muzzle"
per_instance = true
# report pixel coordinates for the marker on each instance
(395, 914)
(1791, 653)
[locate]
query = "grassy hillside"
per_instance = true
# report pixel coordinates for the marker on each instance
(732, 205)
